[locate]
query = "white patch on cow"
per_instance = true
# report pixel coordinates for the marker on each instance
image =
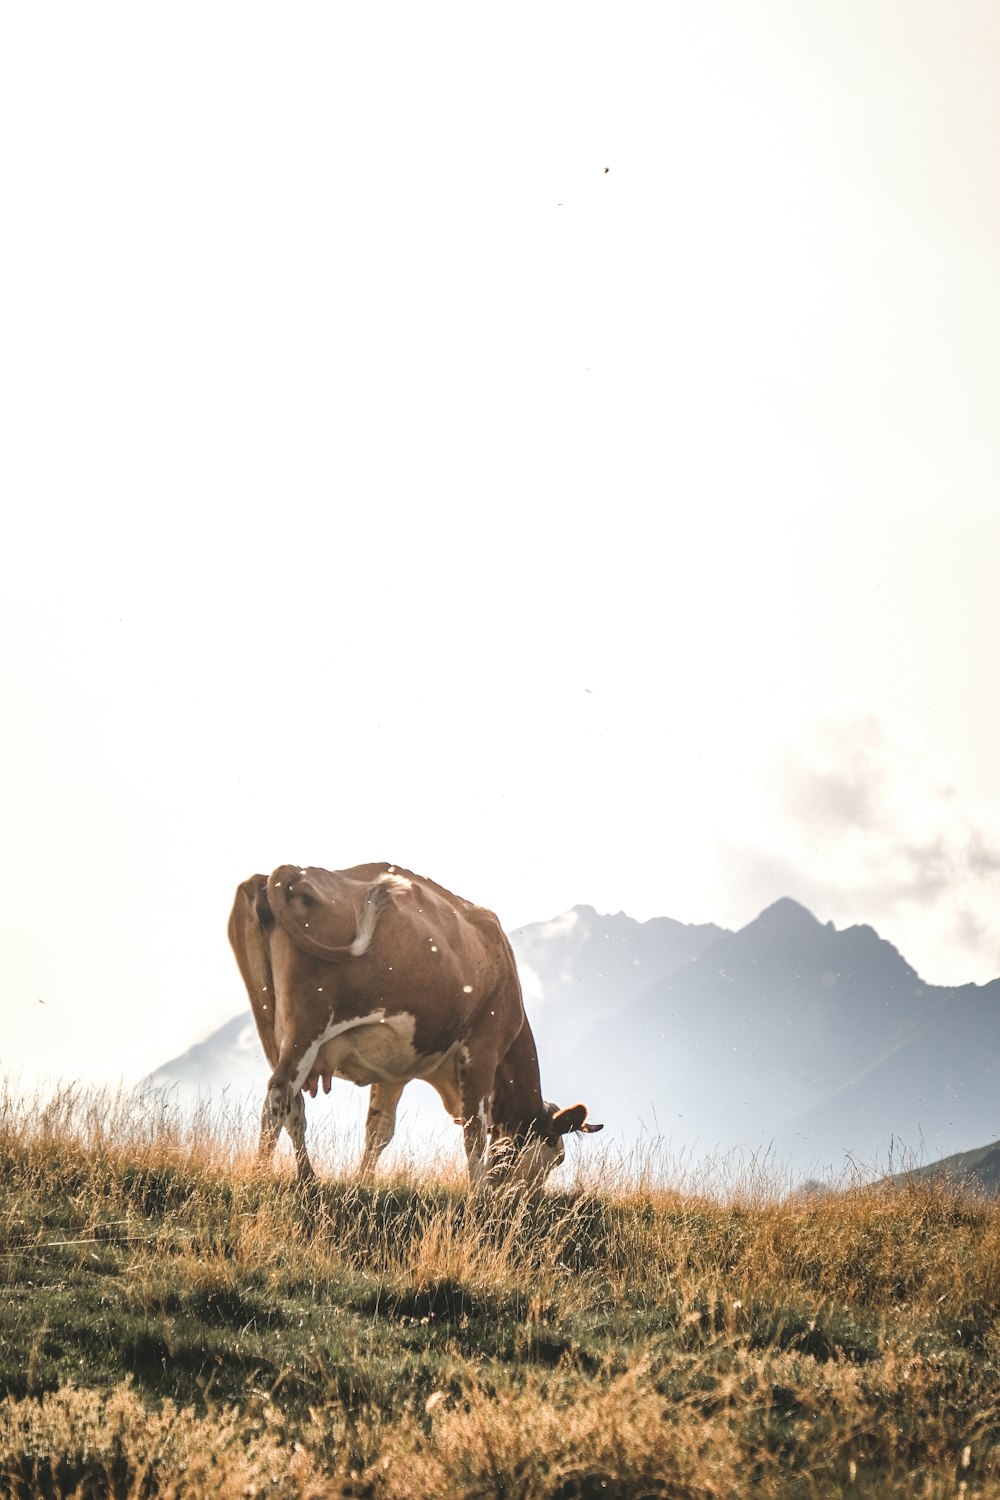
(329, 1032)
(373, 1048)
(394, 881)
(466, 989)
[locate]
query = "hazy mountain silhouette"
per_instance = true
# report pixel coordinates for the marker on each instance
(823, 1045)
(582, 967)
(231, 1056)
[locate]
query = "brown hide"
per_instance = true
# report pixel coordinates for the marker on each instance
(330, 957)
(248, 922)
(431, 955)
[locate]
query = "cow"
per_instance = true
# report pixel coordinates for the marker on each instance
(379, 976)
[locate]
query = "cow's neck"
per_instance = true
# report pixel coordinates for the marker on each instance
(517, 1092)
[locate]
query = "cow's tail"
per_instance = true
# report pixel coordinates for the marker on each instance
(280, 897)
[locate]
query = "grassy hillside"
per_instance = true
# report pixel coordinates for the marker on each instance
(173, 1322)
(979, 1169)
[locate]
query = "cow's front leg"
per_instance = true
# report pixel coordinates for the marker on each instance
(477, 1119)
(476, 1133)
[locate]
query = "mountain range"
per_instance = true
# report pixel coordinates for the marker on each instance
(788, 1042)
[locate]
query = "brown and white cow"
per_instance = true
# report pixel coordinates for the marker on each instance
(381, 976)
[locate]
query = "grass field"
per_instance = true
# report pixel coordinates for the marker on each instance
(175, 1322)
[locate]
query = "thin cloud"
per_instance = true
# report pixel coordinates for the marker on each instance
(861, 825)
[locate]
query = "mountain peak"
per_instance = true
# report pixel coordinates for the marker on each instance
(785, 915)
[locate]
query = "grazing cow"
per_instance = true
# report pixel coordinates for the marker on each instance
(380, 976)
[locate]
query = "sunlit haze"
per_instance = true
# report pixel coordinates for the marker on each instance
(554, 448)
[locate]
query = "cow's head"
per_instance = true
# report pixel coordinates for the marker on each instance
(525, 1158)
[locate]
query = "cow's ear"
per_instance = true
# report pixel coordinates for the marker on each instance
(569, 1121)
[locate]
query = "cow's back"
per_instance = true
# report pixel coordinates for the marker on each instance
(433, 954)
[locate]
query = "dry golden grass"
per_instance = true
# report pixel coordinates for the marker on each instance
(174, 1321)
(93, 1444)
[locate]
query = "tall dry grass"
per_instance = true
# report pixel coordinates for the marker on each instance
(176, 1321)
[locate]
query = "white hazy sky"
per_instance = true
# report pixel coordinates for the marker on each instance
(553, 447)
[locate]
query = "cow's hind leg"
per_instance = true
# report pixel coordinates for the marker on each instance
(270, 1129)
(284, 1106)
(295, 1124)
(380, 1126)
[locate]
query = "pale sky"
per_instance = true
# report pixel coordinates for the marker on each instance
(551, 447)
